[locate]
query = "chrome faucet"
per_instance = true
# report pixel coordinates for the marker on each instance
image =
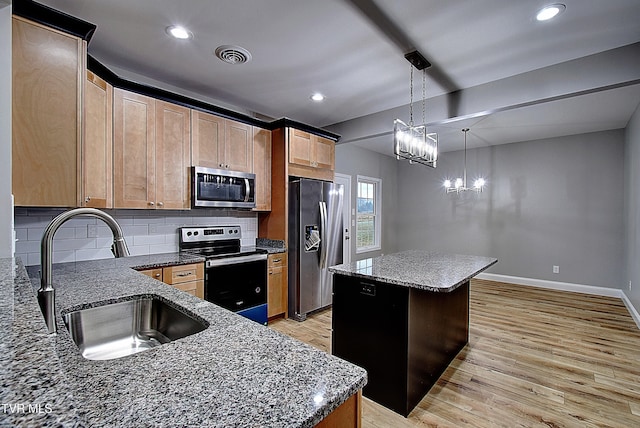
(46, 293)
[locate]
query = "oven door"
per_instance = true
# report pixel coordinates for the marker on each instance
(218, 188)
(239, 284)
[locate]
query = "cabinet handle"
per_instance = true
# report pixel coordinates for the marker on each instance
(160, 204)
(157, 275)
(151, 203)
(226, 166)
(183, 274)
(277, 260)
(87, 199)
(220, 165)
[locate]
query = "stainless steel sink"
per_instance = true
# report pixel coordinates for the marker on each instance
(116, 330)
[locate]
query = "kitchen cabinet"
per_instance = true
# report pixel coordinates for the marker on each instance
(277, 285)
(97, 143)
(47, 80)
(310, 155)
(221, 143)
(152, 152)
(188, 278)
(262, 168)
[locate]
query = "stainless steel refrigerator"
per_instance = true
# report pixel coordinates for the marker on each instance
(315, 243)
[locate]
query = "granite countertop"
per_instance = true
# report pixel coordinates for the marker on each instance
(236, 373)
(272, 246)
(425, 270)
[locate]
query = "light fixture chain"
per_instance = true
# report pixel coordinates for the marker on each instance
(411, 98)
(424, 96)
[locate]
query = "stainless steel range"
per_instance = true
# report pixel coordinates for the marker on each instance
(235, 276)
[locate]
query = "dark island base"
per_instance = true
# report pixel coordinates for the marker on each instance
(404, 337)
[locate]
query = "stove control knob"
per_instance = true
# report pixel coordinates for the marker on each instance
(195, 233)
(188, 233)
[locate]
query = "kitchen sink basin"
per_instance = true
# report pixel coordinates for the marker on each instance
(119, 329)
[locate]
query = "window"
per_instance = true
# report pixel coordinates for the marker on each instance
(368, 213)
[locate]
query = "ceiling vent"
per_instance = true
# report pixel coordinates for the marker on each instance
(233, 54)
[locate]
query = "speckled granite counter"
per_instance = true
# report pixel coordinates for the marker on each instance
(272, 246)
(425, 270)
(236, 373)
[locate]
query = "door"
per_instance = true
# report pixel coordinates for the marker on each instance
(331, 238)
(345, 180)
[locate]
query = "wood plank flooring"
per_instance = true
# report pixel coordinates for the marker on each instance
(535, 358)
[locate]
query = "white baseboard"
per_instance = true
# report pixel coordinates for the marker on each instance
(566, 286)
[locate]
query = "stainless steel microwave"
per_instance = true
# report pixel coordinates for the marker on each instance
(221, 188)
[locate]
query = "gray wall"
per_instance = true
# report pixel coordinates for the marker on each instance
(548, 202)
(632, 209)
(6, 212)
(352, 160)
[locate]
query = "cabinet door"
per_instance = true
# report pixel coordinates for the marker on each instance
(97, 144)
(207, 139)
(277, 285)
(300, 144)
(173, 156)
(238, 150)
(134, 154)
(262, 168)
(47, 75)
(324, 153)
(153, 273)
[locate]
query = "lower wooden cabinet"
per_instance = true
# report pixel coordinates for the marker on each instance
(189, 278)
(277, 285)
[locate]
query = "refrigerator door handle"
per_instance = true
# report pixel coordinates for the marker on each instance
(323, 233)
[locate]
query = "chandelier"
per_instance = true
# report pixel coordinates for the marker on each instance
(460, 184)
(411, 142)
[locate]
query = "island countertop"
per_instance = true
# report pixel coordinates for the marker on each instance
(425, 270)
(236, 373)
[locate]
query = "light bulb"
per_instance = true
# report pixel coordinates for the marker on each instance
(479, 183)
(458, 182)
(179, 32)
(447, 183)
(550, 11)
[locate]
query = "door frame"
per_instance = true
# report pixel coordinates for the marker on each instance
(347, 223)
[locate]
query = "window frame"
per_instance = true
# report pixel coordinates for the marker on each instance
(377, 214)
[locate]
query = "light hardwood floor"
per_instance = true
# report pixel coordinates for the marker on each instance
(535, 358)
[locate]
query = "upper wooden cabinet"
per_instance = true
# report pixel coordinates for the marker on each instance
(97, 144)
(310, 155)
(221, 143)
(47, 79)
(262, 168)
(151, 152)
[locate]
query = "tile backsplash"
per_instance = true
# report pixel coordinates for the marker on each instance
(146, 232)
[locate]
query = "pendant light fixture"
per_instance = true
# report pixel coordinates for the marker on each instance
(410, 142)
(460, 184)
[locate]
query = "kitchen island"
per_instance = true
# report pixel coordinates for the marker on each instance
(235, 373)
(403, 317)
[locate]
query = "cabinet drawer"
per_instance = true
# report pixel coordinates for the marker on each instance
(277, 260)
(185, 273)
(195, 288)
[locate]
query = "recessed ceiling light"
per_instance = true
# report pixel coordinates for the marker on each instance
(179, 32)
(317, 97)
(550, 11)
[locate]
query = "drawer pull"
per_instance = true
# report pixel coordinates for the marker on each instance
(157, 275)
(277, 260)
(183, 274)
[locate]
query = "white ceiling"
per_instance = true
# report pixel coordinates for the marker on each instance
(331, 46)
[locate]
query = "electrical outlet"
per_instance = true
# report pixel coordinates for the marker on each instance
(92, 231)
(556, 269)
(153, 228)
